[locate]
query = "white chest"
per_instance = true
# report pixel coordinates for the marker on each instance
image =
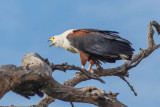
(69, 47)
(62, 41)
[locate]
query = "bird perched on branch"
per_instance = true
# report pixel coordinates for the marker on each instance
(94, 45)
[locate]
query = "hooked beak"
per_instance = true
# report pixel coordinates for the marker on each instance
(51, 39)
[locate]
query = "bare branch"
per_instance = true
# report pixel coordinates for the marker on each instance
(131, 87)
(65, 67)
(45, 102)
(138, 61)
(157, 26)
(35, 77)
(72, 104)
(88, 94)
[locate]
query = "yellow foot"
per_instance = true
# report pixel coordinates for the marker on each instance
(98, 67)
(90, 70)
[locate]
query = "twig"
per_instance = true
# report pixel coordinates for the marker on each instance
(157, 26)
(138, 61)
(72, 104)
(131, 87)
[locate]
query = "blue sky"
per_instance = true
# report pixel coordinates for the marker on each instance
(26, 25)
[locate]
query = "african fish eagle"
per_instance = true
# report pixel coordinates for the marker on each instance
(94, 45)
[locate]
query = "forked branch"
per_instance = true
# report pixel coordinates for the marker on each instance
(35, 77)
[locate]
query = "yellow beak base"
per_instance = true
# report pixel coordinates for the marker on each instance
(51, 44)
(51, 39)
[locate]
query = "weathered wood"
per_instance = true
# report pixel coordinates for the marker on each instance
(25, 80)
(35, 77)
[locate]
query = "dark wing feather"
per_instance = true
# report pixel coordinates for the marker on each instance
(100, 43)
(101, 31)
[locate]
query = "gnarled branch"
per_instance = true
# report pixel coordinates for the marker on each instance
(34, 77)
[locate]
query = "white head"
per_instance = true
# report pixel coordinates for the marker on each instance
(59, 39)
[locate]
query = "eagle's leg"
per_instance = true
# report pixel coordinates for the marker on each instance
(90, 66)
(83, 67)
(84, 59)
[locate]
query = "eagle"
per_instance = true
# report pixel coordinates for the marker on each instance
(93, 45)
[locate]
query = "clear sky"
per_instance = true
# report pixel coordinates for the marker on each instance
(26, 25)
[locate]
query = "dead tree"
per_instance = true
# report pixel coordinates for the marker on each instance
(35, 77)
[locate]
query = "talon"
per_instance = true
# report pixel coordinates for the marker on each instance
(98, 67)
